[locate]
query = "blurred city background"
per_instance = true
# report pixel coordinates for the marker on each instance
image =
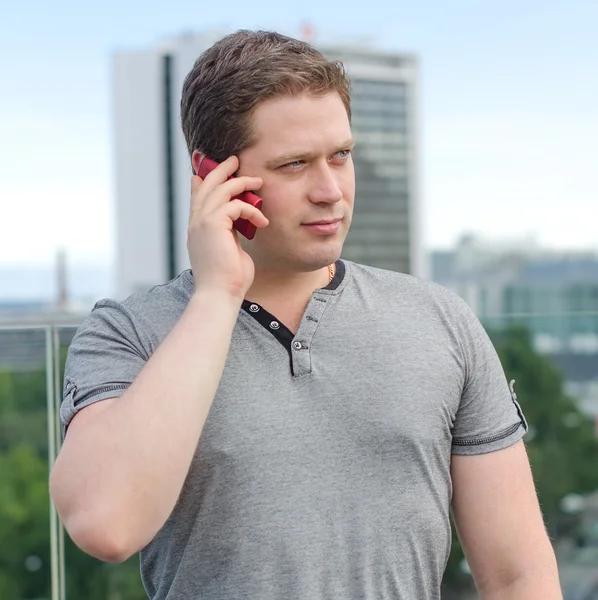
(477, 144)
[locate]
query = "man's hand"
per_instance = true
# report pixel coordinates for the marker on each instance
(217, 259)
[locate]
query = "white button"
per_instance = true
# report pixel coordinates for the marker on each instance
(254, 308)
(274, 325)
(297, 345)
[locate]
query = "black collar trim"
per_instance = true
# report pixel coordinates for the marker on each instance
(279, 330)
(339, 275)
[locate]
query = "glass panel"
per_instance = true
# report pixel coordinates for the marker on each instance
(87, 577)
(25, 553)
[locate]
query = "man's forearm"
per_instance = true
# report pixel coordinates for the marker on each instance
(118, 478)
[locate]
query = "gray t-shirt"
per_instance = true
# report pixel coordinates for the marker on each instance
(323, 470)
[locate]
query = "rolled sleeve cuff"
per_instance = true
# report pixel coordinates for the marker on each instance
(69, 408)
(498, 441)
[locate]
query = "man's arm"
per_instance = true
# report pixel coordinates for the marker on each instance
(123, 462)
(500, 526)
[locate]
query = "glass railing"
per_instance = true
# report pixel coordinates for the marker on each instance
(32, 540)
(38, 561)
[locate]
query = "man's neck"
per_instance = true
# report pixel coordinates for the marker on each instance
(276, 285)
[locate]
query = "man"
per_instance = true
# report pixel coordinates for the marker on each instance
(279, 423)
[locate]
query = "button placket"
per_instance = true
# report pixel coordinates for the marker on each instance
(301, 355)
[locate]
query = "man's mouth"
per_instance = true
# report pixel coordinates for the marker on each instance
(324, 226)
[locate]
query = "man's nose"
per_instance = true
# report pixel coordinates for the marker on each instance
(324, 187)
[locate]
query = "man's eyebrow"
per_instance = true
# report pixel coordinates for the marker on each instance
(348, 145)
(282, 159)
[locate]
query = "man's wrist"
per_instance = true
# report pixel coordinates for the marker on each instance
(213, 298)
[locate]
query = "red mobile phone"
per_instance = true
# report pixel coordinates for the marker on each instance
(243, 226)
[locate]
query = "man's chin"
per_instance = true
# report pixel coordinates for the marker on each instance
(321, 259)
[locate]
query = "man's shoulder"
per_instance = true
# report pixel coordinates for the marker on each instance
(404, 301)
(169, 296)
(398, 284)
(154, 310)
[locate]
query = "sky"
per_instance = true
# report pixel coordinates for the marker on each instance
(509, 114)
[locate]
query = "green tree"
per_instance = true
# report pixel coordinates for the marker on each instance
(561, 443)
(24, 524)
(25, 502)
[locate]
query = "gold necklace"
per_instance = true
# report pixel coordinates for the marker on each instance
(330, 273)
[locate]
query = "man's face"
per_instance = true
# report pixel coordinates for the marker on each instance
(303, 154)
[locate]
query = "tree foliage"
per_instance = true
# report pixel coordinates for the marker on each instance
(25, 508)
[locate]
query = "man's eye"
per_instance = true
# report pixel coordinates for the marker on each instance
(343, 153)
(295, 164)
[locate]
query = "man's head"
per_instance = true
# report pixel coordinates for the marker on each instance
(284, 110)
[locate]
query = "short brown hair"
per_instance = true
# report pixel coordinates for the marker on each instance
(234, 75)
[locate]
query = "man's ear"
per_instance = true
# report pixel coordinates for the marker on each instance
(196, 159)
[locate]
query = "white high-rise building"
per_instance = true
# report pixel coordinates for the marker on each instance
(153, 168)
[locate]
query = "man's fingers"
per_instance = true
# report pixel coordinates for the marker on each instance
(230, 212)
(223, 194)
(201, 187)
(237, 209)
(231, 189)
(220, 173)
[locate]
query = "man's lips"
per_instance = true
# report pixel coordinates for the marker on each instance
(324, 226)
(323, 222)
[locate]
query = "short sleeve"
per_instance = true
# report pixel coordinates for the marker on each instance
(104, 357)
(489, 417)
